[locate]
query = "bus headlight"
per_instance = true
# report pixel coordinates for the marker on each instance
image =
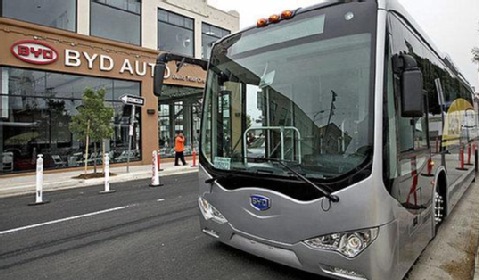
(210, 212)
(349, 244)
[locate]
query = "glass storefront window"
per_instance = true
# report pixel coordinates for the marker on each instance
(164, 137)
(178, 116)
(175, 33)
(209, 35)
(36, 109)
(54, 13)
(118, 20)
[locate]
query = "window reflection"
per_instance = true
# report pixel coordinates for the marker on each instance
(127, 5)
(36, 109)
(118, 20)
(54, 13)
(209, 35)
(175, 33)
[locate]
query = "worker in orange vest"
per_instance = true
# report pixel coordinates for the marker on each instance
(179, 148)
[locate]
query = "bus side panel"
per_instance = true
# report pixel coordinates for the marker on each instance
(444, 142)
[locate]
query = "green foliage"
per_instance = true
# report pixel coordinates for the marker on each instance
(248, 121)
(94, 111)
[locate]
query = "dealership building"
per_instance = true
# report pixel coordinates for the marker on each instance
(52, 50)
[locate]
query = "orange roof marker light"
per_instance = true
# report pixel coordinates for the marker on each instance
(261, 22)
(287, 14)
(274, 18)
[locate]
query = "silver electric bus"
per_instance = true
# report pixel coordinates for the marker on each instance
(334, 139)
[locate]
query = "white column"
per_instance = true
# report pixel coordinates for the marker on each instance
(149, 24)
(83, 17)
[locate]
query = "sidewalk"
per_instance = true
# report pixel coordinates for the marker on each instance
(453, 254)
(59, 179)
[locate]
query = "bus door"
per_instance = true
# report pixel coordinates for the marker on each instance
(224, 122)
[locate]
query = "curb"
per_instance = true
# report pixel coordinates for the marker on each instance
(70, 183)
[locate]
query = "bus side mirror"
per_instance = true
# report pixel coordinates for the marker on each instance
(411, 94)
(411, 87)
(161, 69)
(158, 78)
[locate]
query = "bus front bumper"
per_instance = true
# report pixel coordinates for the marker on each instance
(377, 261)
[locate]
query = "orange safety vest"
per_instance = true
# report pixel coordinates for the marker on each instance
(179, 144)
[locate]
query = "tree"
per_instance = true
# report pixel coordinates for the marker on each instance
(93, 121)
(248, 121)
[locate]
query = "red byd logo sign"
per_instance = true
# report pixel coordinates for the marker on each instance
(34, 52)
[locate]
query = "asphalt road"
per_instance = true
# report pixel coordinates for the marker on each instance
(137, 232)
(140, 232)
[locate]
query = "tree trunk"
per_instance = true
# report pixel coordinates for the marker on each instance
(86, 146)
(103, 148)
(95, 158)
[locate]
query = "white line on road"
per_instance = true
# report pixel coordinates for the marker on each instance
(65, 219)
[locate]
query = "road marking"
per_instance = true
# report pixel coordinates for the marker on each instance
(65, 219)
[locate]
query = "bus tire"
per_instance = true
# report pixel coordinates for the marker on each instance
(440, 205)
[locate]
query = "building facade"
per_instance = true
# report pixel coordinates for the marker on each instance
(52, 50)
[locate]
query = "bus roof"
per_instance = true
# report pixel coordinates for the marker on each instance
(389, 5)
(395, 6)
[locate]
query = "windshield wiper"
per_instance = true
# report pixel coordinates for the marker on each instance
(216, 178)
(326, 193)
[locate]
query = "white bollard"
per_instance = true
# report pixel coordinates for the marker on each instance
(39, 182)
(106, 161)
(159, 160)
(155, 178)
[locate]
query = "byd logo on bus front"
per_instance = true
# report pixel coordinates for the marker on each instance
(34, 52)
(260, 203)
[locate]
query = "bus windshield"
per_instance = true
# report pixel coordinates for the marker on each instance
(294, 91)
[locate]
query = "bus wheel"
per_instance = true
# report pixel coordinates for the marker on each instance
(438, 210)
